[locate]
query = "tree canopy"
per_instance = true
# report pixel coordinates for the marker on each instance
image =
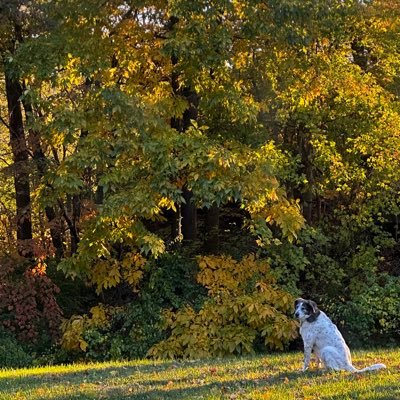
(135, 129)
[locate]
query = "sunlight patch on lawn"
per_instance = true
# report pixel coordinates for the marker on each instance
(275, 376)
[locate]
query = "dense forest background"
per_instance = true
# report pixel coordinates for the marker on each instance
(175, 172)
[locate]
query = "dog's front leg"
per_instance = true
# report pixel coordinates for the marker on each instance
(307, 355)
(318, 360)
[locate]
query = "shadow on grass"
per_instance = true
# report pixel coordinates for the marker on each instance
(378, 392)
(161, 390)
(93, 374)
(168, 380)
(89, 375)
(126, 383)
(223, 389)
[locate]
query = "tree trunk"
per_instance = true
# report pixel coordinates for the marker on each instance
(308, 196)
(189, 217)
(54, 222)
(72, 215)
(21, 168)
(306, 152)
(189, 210)
(176, 225)
(55, 227)
(211, 243)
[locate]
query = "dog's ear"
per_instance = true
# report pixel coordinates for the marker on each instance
(315, 311)
(297, 301)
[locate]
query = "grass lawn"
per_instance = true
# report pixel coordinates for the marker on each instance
(268, 377)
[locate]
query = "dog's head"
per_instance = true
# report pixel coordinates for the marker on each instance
(306, 310)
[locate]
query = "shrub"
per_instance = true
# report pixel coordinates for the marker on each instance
(129, 331)
(324, 276)
(75, 329)
(374, 312)
(344, 277)
(171, 282)
(244, 304)
(28, 305)
(12, 354)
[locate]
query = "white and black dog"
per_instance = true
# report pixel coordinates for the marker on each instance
(321, 336)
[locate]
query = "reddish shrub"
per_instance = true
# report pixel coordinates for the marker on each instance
(27, 299)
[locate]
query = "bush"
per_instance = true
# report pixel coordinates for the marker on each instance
(244, 304)
(344, 276)
(129, 331)
(171, 282)
(12, 354)
(28, 305)
(372, 316)
(128, 334)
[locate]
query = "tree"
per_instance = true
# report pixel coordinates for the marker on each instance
(237, 81)
(122, 87)
(20, 20)
(140, 114)
(12, 21)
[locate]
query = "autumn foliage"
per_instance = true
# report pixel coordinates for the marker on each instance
(73, 330)
(133, 131)
(28, 300)
(244, 305)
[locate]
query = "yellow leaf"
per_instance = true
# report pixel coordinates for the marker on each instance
(83, 344)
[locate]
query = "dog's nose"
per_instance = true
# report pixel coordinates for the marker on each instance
(296, 314)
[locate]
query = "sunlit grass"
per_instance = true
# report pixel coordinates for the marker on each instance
(268, 377)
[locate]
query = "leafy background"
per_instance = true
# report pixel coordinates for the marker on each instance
(177, 172)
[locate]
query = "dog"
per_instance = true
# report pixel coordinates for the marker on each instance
(321, 336)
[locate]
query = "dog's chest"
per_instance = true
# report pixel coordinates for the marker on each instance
(321, 332)
(308, 332)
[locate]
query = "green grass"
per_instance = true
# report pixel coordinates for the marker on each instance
(268, 377)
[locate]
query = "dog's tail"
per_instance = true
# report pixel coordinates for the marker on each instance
(370, 368)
